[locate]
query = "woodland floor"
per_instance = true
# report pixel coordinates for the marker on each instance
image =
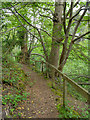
(41, 101)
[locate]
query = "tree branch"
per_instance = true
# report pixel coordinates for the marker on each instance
(77, 54)
(70, 46)
(24, 5)
(31, 49)
(64, 20)
(73, 7)
(75, 30)
(38, 55)
(83, 83)
(44, 49)
(32, 25)
(81, 36)
(77, 13)
(41, 40)
(63, 54)
(24, 25)
(47, 9)
(10, 29)
(81, 45)
(45, 16)
(78, 76)
(70, 20)
(82, 53)
(81, 20)
(78, 36)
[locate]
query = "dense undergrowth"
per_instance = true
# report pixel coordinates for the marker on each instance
(14, 83)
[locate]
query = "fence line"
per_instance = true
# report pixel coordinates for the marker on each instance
(77, 87)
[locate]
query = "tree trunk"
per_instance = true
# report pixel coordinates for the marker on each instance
(24, 48)
(57, 36)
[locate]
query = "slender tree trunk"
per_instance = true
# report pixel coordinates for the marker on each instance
(24, 48)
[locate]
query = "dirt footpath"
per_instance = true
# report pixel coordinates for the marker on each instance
(41, 101)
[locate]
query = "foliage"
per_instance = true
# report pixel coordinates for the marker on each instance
(12, 74)
(14, 84)
(78, 71)
(69, 112)
(37, 20)
(13, 99)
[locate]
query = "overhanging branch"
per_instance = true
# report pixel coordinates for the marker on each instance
(73, 7)
(38, 55)
(46, 16)
(41, 40)
(81, 36)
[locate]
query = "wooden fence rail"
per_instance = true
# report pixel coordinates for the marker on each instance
(77, 87)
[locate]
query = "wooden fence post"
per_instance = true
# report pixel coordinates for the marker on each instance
(42, 66)
(88, 101)
(64, 92)
(35, 64)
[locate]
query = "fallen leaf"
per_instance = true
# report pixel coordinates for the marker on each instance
(29, 117)
(32, 101)
(42, 113)
(33, 112)
(19, 108)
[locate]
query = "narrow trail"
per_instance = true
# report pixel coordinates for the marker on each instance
(41, 101)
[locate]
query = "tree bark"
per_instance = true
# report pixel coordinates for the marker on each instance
(63, 54)
(24, 47)
(57, 35)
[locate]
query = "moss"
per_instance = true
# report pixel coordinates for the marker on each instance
(49, 84)
(57, 91)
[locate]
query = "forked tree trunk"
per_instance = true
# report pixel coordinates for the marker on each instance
(66, 51)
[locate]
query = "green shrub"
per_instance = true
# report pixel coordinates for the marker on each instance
(67, 112)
